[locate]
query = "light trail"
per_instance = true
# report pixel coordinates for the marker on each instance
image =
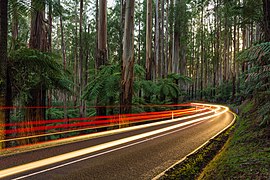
(66, 156)
(83, 129)
(91, 118)
(113, 120)
(77, 107)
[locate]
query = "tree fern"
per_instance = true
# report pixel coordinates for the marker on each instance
(105, 84)
(31, 68)
(257, 78)
(181, 78)
(258, 54)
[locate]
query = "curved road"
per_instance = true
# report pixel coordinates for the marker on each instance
(140, 152)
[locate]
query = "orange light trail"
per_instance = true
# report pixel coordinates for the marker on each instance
(98, 122)
(81, 124)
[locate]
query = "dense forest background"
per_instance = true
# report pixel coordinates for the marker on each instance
(90, 59)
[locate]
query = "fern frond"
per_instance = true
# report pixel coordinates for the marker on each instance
(37, 68)
(256, 54)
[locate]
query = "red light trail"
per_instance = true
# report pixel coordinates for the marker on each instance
(31, 129)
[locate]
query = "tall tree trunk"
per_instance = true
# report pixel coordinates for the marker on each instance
(139, 39)
(167, 44)
(183, 37)
(171, 31)
(176, 40)
(81, 58)
(244, 46)
(63, 48)
(162, 52)
(15, 25)
(38, 41)
(3, 66)
(128, 60)
(157, 40)
(97, 22)
(237, 63)
(266, 19)
(102, 54)
(148, 40)
(38, 37)
(121, 32)
(202, 52)
(217, 50)
(148, 58)
(86, 62)
(50, 19)
(76, 63)
(234, 59)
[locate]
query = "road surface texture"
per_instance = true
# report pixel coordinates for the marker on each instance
(137, 154)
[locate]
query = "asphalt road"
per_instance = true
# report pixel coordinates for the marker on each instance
(137, 154)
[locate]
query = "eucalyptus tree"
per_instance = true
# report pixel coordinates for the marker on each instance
(148, 59)
(157, 40)
(176, 38)
(266, 19)
(102, 52)
(63, 47)
(128, 59)
(15, 23)
(38, 41)
(81, 57)
(167, 44)
(162, 50)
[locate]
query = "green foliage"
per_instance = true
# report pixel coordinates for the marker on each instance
(259, 54)
(17, 7)
(105, 85)
(257, 78)
(264, 114)
(224, 92)
(31, 69)
(179, 77)
(114, 35)
(167, 88)
(251, 11)
(246, 107)
(163, 90)
(147, 86)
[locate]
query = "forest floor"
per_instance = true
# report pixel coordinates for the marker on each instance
(247, 153)
(241, 152)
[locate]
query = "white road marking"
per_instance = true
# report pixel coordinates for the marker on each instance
(106, 152)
